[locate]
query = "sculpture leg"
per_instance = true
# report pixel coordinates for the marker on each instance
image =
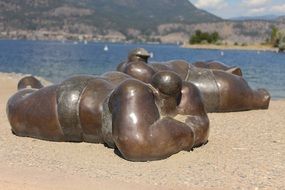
(236, 95)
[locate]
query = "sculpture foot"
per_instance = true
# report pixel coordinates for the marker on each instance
(200, 145)
(235, 71)
(262, 99)
(29, 81)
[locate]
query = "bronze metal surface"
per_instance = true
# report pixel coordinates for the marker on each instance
(33, 113)
(139, 132)
(218, 66)
(68, 97)
(125, 113)
(91, 107)
(29, 81)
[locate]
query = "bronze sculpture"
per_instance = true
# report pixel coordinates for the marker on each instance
(138, 119)
(222, 88)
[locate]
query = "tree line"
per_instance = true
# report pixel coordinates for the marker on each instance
(277, 38)
(204, 37)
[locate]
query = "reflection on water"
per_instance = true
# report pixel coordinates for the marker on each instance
(56, 61)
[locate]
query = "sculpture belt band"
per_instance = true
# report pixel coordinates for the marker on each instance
(68, 98)
(204, 79)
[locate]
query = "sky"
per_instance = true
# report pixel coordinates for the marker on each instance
(238, 8)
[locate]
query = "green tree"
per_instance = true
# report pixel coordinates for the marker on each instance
(281, 40)
(274, 39)
(202, 37)
(277, 38)
(198, 32)
(215, 36)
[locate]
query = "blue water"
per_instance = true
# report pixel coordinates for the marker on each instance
(56, 60)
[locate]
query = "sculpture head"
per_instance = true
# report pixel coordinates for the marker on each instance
(138, 54)
(168, 87)
(167, 82)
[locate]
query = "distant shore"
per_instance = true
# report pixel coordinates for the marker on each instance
(233, 47)
(251, 47)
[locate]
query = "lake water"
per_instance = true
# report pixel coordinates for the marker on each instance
(56, 60)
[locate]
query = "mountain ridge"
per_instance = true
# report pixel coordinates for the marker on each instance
(100, 15)
(260, 17)
(166, 21)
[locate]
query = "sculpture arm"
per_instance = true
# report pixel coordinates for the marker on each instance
(195, 116)
(138, 131)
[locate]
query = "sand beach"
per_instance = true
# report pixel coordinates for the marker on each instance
(250, 47)
(246, 150)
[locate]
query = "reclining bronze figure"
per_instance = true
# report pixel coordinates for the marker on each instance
(223, 88)
(137, 119)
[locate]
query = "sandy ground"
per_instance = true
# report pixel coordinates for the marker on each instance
(246, 150)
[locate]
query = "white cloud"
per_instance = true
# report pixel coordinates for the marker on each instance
(278, 8)
(255, 3)
(236, 8)
(211, 4)
(257, 10)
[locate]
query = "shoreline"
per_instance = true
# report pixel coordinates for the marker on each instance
(196, 46)
(232, 47)
(18, 76)
(45, 82)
